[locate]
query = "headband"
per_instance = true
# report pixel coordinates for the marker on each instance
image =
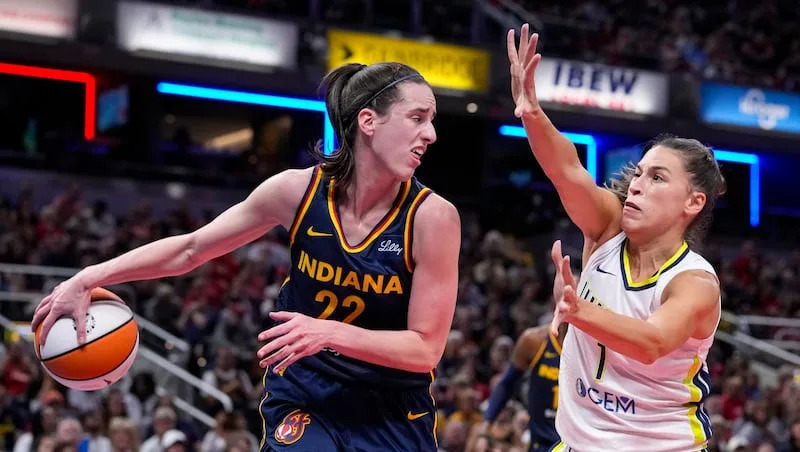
(390, 85)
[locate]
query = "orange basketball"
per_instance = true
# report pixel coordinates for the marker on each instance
(112, 339)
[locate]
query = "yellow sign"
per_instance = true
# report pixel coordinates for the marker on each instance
(442, 65)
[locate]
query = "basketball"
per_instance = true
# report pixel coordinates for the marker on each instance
(112, 339)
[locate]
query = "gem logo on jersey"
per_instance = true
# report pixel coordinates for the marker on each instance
(580, 387)
(292, 427)
(608, 401)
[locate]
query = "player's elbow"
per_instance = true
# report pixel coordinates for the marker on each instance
(426, 361)
(427, 358)
(647, 357)
(652, 351)
(191, 255)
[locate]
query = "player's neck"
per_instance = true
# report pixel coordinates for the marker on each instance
(647, 256)
(369, 189)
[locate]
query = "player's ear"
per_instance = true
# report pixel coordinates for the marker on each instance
(366, 121)
(695, 203)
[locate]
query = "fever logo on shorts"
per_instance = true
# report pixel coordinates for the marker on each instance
(292, 427)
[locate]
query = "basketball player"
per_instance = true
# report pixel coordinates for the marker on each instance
(539, 351)
(364, 315)
(644, 313)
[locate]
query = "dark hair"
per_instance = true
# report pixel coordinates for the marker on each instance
(349, 89)
(704, 176)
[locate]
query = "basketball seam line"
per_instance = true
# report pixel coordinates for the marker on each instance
(90, 342)
(101, 376)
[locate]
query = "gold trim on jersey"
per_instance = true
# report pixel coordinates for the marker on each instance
(378, 230)
(559, 447)
(651, 281)
(408, 229)
(538, 355)
(261, 412)
(554, 341)
(695, 397)
(305, 203)
(435, 410)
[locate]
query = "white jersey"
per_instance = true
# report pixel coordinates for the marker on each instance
(611, 402)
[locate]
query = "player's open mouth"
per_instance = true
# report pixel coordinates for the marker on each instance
(632, 206)
(418, 151)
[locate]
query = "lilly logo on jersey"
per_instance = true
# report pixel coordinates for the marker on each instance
(390, 247)
(609, 401)
(292, 428)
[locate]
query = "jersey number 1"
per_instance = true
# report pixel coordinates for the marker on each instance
(601, 366)
(333, 301)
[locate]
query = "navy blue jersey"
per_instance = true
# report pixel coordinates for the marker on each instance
(366, 284)
(543, 393)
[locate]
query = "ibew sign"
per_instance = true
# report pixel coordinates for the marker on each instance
(600, 86)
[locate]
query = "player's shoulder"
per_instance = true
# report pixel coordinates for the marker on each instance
(281, 193)
(296, 177)
(287, 184)
(532, 338)
(436, 212)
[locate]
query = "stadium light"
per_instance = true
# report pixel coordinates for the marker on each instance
(755, 179)
(88, 81)
(722, 155)
(579, 138)
(270, 100)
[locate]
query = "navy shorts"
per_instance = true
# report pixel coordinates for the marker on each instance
(306, 411)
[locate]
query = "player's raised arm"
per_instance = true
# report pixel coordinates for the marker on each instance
(270, 204)
(593, 209)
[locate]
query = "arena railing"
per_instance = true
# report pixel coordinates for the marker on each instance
(766, 355)
(176, 347)
(160, 352)
(147, 359)
(782, 332)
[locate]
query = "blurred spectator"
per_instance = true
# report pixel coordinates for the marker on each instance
(164, 309)
(94, 424)
(164, 421)
(173, 441)
(733, 398)
(18, 370)
(69, 433)
(124, 435)
(226, 376)
(12, 418)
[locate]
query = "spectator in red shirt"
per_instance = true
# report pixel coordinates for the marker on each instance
(18, 370)
(733, 398)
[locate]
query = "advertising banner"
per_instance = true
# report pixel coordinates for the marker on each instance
(52, 18)
(187, 31)
(750, 107)
(599, 86)
(442, 65)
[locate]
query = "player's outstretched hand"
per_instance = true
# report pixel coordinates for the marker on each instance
(296, 337)
(69, 298)
(564, 289)
(523, 66)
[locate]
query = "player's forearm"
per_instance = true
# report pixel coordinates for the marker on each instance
(634, 338)
(503, 391)
(555, 153)
(404, 350)
(170, 256)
